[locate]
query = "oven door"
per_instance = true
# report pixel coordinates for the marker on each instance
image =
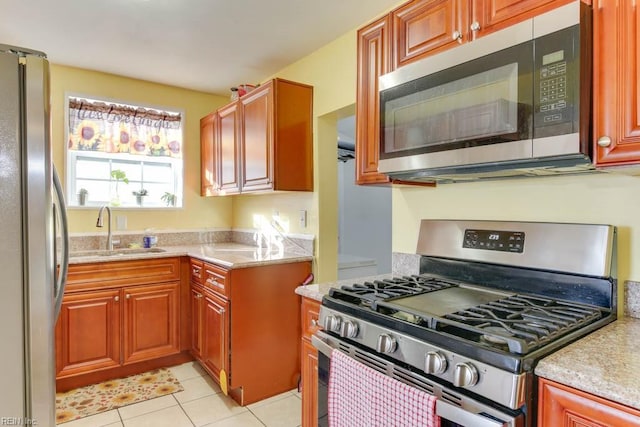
(453, 408)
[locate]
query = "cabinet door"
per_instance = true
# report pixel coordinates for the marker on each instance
(228, 138)
(424, 27)
(88, 332)
(563, 406)
(374, 55)
(197, 311)
(151, 321)
(616, 64)
(492, 15)
(309, 384)
(215, 350)
(208, 170)
(257, 139)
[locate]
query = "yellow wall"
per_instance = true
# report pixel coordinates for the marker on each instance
(198, 212)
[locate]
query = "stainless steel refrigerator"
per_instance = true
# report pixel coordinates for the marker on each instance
(33, 241)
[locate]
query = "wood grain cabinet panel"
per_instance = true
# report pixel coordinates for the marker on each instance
(197, 320)
(228, 140)
(374, 60)
(425, 27)
(208, 171)
(88, 332)
(563, 406)
(264, 140)
(309, 360)
(215, 348)
(616, 103)
(151, 321)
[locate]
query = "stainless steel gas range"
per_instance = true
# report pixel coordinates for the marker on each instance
(492, 299)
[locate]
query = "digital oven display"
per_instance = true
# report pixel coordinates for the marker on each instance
(491, 240)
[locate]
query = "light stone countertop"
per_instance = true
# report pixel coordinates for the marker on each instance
(605, 363)
(317, 291)
(228, 255)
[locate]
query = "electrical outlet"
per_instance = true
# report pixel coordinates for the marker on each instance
(121, 222)
(303, 218)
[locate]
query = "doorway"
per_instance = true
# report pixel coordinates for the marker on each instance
(364, 215)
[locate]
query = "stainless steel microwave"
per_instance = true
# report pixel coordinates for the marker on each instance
(513, 103)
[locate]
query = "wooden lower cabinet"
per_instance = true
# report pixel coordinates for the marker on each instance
(120, 318)
(250, 323)
(563, 406)
(88, 332)
(151, 321)
(197, 311)
(215, 329)
(309, 361)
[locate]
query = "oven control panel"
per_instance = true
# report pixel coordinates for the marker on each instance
(492, 240)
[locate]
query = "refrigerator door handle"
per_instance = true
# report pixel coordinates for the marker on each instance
(61, 279)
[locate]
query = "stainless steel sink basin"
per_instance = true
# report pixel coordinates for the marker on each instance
(115, 252)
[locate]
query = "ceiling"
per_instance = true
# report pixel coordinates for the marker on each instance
(207, 45)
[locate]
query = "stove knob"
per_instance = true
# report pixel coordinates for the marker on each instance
(465, 375)
(435, 363)
(386, 344)
(349, 329)
(332, 323)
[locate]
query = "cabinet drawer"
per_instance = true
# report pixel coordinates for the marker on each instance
(110, 274)
(197, 270)
(215, 279)
(310, 314)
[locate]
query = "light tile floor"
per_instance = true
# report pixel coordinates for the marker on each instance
(201, 403)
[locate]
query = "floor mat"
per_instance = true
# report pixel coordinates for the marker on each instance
(112, 394)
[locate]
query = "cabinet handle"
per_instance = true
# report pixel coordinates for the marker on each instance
(314, 322)
(196, 272)
(116, 298)
(128, 296)
(604, 141)
(457, 35)
(213, 281)
(475, 26)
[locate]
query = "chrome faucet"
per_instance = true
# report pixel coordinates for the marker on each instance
(99, 223)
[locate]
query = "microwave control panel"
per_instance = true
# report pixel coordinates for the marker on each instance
(556, 77)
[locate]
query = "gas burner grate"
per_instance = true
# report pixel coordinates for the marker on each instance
(521, 323)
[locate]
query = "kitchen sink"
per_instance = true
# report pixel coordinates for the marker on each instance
(115, 252)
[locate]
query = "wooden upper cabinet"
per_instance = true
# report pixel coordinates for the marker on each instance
(424, 27)
(208, 170)
(263, 141)
(257, 139)
(374, 60)
(492, 15)
(562, 406)
(228, 139)
(616, 95)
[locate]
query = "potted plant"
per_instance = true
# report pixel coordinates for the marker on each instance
(118, 175)
(169, 198)
(139, 195)
(83, 194)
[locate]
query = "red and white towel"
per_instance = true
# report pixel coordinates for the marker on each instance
(360, 396)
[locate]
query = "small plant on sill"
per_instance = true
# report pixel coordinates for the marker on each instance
(169, 199)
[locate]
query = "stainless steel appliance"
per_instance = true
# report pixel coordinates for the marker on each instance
(491, 300)
(32, 215)
(515, 102)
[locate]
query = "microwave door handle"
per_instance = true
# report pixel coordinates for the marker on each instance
(460, 416)
(61, 280)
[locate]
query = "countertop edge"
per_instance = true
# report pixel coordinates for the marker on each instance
(602, 363)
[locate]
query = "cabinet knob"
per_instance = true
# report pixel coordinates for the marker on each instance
(314, 323)
(128, 296)
(604, 141)
(116, 298)
(457, 35)
(475, 26)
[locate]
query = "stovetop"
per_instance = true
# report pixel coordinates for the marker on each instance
(505, 321)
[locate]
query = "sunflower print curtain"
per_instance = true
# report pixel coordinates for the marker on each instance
(116, 128)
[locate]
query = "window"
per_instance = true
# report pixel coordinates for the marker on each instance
(123, 155)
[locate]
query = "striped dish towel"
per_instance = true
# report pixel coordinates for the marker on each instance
(360, 396)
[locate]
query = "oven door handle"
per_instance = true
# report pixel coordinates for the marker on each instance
(459, 416)
(322, 345)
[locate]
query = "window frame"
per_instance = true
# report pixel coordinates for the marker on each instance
(70, 175)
